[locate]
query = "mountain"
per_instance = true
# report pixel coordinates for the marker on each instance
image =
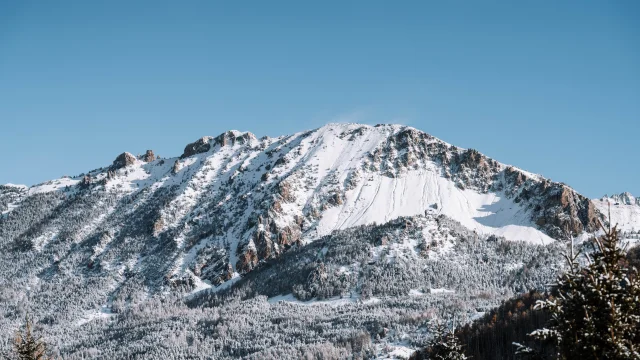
(235, 218)
(230, 201)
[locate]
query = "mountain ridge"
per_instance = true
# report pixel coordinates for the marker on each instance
(294, 188)
(624, 209)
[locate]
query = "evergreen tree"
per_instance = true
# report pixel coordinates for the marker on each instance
(27, 346)
(595, 310)
(443, 346)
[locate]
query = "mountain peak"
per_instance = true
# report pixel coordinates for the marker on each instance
(625, 198)
(123, 160)
(232, 201)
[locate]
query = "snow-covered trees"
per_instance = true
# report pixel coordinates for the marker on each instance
(444, 345)
(376, 295)
(595, 310)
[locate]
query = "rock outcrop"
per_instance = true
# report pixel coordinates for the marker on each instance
(248, 261)
(199, 146)
(269, 240)
(411, 149)
(205, 143)
(149, 156)
(232, 137)
(556, 208)
(123, 160)
(176, 167)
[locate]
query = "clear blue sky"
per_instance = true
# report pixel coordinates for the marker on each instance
(552, 86)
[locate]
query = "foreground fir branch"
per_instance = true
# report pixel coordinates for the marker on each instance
(595, 310)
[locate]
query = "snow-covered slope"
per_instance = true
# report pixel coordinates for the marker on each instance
(625, 211)
(231, 201)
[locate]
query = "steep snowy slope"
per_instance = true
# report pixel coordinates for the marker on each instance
(625, 211)
(231, 201)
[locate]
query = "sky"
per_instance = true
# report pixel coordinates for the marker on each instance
(552, 87)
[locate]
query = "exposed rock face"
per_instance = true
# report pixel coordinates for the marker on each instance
(557, 209)
(352, 180)
(411, 149)
(335, 199)
(228, 274)
(176, 167)
(123, 160)
(284, 189)
(211, 264)
(149, 156)
(205, 144)
(231, 138)
(514, 176)
(199, 146)
(264, 244)
(270, 239)
(247, 262)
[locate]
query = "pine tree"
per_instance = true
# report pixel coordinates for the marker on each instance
(595, 310)
(28, 347)
(444, 345)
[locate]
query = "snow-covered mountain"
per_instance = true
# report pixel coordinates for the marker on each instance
(230, 201)
(272, 216)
